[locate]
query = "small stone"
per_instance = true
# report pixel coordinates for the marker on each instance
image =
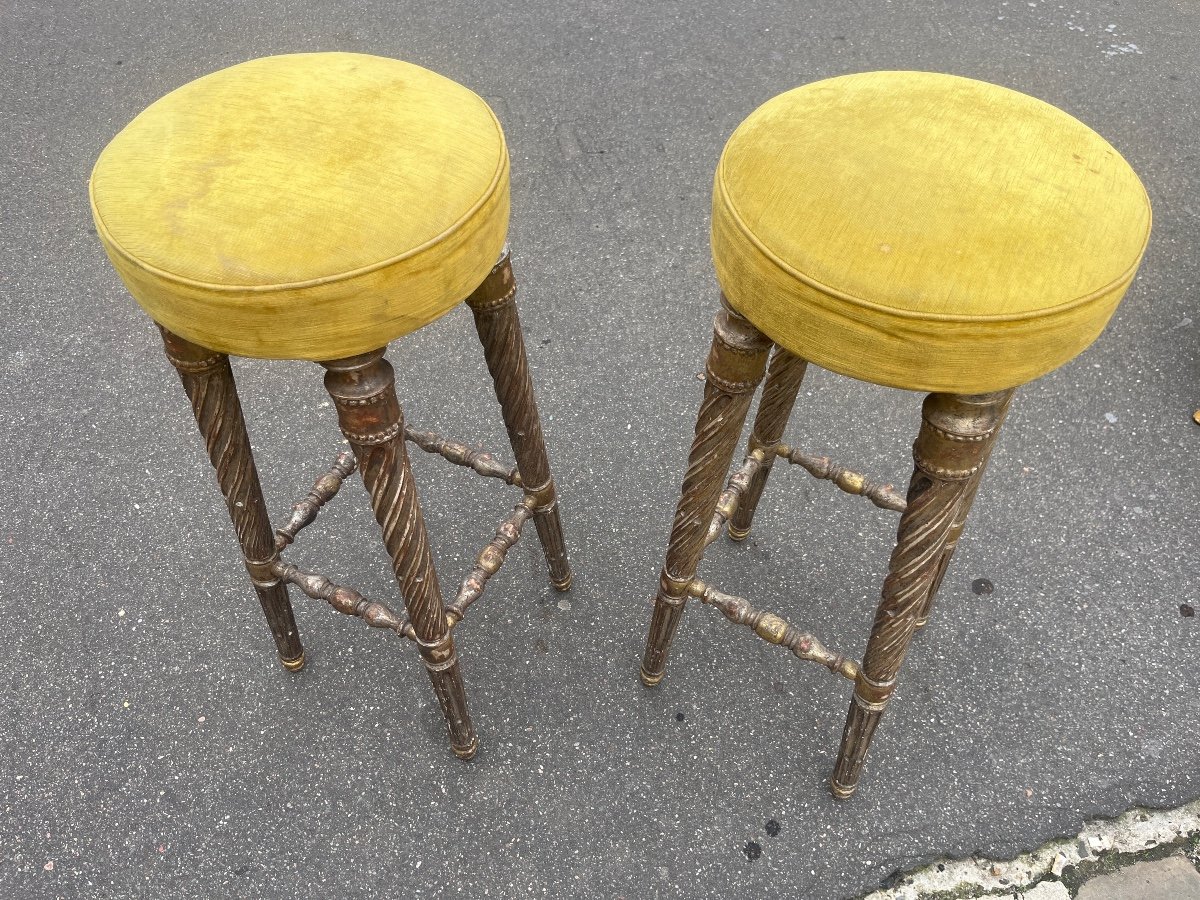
(49, 867)
(120, 613)
(1186, 611)
(1057, 866)
(1111, 417)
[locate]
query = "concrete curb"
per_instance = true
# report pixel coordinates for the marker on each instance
(1057, 870)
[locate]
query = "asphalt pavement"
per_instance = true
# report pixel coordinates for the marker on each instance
(150, 744)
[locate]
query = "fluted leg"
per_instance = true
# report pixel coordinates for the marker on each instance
(494, 306)
(960, 521)
(735, 367)
(208, 380)
(363, 389)
(956, 435)
(784, 376)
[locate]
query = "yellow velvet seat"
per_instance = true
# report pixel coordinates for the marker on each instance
(925, 231)
(309, 206)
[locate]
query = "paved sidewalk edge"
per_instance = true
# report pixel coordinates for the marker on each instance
(1101, 846)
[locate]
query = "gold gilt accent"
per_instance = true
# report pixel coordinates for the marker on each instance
(774, 629)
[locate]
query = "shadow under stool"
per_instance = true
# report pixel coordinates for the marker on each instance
(913, 230)
(317, 206)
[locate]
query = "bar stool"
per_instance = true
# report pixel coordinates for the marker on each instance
(914, 230)
(317, 206)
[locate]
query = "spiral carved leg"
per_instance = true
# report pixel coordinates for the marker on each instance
(956, 435)
(208, 381)
(495, 309)
(960, 521)
(784, 376)
(735, 367)
(363, 389)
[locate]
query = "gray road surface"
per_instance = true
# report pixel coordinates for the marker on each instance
(151, 746)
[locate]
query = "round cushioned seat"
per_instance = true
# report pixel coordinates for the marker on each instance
(925, 231)
(309, 206)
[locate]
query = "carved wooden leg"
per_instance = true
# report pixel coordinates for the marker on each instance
(735, 366)
(494, 306)
(209, 383)
(960, 521)
(363, 389)
(778, 397)
(956, 435)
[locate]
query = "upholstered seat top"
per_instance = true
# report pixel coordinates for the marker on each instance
(310, 206)
(925, 231)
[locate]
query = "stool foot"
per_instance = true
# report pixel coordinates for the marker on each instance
(549, 530)
(650, 680)
(363, 389)
(208, 381)
(735, 367)
(293, 665)
(784, 376)
(441, 662)
(841, 791)
(956, 435)
(468, 752)
(494, 307)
